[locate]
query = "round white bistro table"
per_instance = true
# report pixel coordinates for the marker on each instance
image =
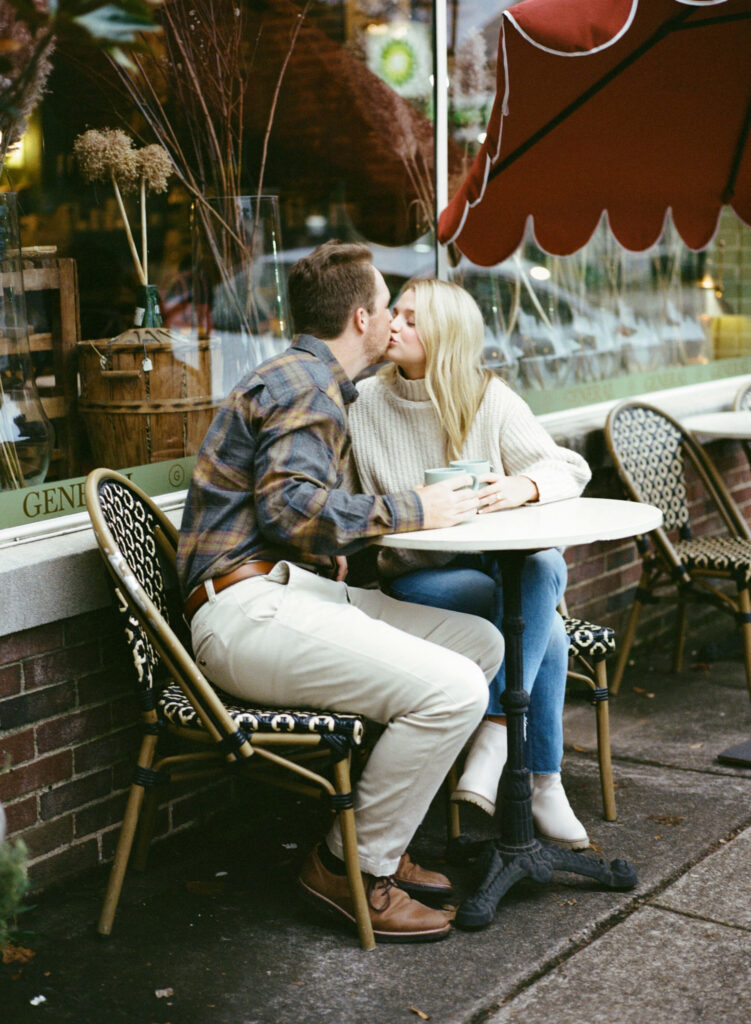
(728, 425)
(732, 425)
(514, 534)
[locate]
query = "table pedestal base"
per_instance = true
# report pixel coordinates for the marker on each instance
(509, 864)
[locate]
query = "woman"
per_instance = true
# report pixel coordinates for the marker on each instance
(433, 404)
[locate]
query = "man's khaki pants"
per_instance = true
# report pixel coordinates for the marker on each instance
(294, 639)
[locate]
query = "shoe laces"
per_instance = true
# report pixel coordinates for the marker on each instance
(380, 888)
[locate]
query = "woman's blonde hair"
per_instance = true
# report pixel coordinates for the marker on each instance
(450, 326)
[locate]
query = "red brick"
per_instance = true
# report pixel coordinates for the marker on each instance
(21, 814)
(11, 678)
(70, 861)
(49, 836)
(114, 679)
(121, 745)
(67, 663)
(68, 730)
(74, 794)
(29, 642)
(18, 747)
(101, 624)
(100, 815)
(37, 705)
(33, 776)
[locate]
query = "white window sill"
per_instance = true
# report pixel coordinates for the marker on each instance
(53, 570)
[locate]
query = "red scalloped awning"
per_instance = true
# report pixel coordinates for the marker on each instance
(634, 107)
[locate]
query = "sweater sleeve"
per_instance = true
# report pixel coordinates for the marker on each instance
(528, 450)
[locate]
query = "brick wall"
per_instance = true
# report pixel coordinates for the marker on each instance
(69, 734)
(602, 576)
(69, 723)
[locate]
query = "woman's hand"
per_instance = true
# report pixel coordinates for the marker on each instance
(341, 568)
(501, 492)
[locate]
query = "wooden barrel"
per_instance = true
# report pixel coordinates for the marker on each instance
(146, 395)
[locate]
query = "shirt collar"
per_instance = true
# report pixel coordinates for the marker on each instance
(321, 351)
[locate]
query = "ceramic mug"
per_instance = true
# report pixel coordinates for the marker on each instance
(474, 466)
(434, 476)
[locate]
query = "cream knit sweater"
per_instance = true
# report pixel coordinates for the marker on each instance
(396, 436)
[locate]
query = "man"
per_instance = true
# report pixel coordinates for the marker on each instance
(265, 525)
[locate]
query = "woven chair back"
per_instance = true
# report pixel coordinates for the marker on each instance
(646, 446)
(133, 528)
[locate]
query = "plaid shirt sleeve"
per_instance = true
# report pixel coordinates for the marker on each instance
(267, 481)
(299, 465)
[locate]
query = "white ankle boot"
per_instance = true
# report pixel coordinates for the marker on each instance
(554, 820)
(482, 770)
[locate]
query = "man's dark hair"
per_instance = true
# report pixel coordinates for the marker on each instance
(328, 284)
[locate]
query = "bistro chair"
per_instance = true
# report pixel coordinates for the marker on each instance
(650, 450)
(138, 545)
(590, 645)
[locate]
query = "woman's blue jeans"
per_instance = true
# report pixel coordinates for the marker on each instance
(472, 583)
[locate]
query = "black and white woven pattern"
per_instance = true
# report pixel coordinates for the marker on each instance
(588, 639)
(649, 447)
(177, 709)
(132, 525)
(717, 554)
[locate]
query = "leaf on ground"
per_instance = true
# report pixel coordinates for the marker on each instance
(581, 750)
(668, 819)
(695, 746)
(420, 1013)
(13, 954)
(639, 689)
(212, 888)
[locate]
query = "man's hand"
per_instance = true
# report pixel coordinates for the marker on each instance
(501, 492)
(446, 504)
(341, 568)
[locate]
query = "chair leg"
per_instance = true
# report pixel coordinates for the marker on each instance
(125, 840)
(603, 745)
(744, 600)
(625, 644)
(146, 827)
(351, 858)
(680, 633)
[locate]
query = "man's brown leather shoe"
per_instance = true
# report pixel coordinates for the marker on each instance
(417, 881)
(394, 915)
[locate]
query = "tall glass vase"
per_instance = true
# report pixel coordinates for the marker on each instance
(25, 432)
(239, 284)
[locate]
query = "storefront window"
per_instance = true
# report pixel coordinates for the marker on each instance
(294, 122)
(317, 122)
(603, 323)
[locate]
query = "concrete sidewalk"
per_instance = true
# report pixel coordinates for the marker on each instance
(219, 925)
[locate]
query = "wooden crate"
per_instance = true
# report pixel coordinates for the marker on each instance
(52, 305)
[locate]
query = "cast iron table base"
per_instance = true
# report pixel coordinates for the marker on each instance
(518, 854)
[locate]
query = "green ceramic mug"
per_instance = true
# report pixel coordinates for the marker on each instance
(434, 476)
(474, 466)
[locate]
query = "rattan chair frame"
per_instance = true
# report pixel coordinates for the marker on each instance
(228, 744)
(593, 672)
(664, 576)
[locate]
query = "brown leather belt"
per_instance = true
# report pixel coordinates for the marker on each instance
(198, 597)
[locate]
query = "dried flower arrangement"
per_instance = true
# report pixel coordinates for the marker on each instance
(190, 87)
(109, 155)
(24, 70)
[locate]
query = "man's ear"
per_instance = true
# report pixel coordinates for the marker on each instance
(360, 319)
